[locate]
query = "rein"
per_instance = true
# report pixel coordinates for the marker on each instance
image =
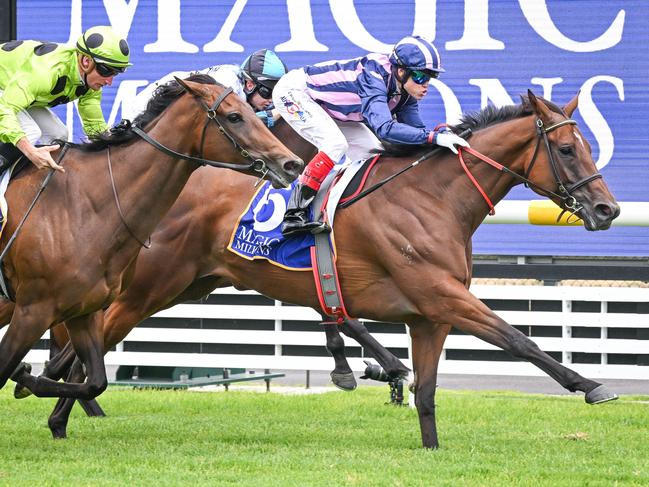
(569, 202)
(373, 188)
(119, 207)
(257, 165)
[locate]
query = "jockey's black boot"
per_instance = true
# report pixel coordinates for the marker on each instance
(9, 154)
(296, 218)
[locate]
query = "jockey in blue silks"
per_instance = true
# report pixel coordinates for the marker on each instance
(345, 107)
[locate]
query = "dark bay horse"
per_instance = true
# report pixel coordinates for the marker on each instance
(76, 251)
(179, 266)
(411, 265)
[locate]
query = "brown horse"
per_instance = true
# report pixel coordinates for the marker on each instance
(75, 252)
(413, 264)
(179, 266)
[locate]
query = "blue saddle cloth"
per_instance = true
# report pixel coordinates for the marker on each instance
(258, 235)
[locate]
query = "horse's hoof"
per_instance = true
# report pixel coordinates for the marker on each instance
(59, 435)
(23, 368)
(346, 382)
(21, 392)
(599, 395)
(59, 432)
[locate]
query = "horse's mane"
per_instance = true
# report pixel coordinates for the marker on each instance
(474, 121)
(163, 96)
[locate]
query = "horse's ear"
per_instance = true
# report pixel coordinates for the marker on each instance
(538, 106)
(195, 89)
(572, 104)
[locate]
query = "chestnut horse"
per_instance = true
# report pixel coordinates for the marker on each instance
(413, 264)
(75, 252)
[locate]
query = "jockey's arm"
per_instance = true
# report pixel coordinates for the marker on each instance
(375, 111)
(409, 114)
(92, 118)
(15, 98)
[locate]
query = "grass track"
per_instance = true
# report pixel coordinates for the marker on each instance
(246, 439)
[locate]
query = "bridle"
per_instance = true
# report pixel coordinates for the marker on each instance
(256, 165)
(568, 200)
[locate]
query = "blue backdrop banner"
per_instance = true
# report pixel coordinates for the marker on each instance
(492, 52)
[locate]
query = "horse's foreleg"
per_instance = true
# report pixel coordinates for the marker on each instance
(87, 338)
(470, 315)
(342, 375)
(28, 324)
(427, 343)
(58, 420)
(390, 363)
(57, 367)
(6, 310)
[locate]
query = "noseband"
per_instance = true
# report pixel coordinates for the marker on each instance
(256, 165)
(569, 202)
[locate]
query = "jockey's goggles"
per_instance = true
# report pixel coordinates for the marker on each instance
(422, 77)
(264, 91)
(107, 71)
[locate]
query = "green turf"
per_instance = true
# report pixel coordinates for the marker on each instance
(248, 439)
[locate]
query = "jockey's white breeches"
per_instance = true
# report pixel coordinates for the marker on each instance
(333, 137)
(41, 125)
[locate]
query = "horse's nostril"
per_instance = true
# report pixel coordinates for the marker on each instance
(294, 166)
(607, 211)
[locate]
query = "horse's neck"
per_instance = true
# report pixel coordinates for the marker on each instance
(440, 191)
(509, 143)
(146, 180)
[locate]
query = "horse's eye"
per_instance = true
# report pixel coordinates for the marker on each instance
(234, 117)
(566, 150)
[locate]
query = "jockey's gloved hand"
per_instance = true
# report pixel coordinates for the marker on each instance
(267, 117)
(449, 140)
(270, 115)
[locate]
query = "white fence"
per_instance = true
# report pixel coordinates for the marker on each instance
(545, 212)
(596, 317)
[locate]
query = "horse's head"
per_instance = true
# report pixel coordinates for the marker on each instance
(563, 164)
(239, 136)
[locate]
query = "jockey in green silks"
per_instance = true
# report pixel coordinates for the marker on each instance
(35, 76)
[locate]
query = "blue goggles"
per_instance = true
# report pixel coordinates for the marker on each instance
(422, 77)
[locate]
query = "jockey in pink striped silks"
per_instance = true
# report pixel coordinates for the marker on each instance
(345, 107)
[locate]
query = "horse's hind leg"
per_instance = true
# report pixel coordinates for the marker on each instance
(342, 375)
(58, 420)
(86, 336)
(390, 363)
(427, 343)
(62, 356)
